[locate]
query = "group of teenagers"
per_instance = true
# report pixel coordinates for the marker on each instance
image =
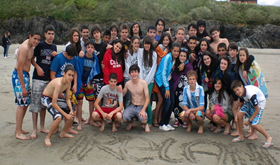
(193, 74)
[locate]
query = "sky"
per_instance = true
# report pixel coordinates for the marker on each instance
(269, 2)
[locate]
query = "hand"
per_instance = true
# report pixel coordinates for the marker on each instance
(61, 96)
(167, 94)
(236, 119)
(68, 116)
(181, 66)
(208, 38)
(104, 115)
(187, 113)
(126, 55)
(165, 50)
(109, 116)
(54, 53)
(193, 56)
(71, 113)
(40, 71)
(81, 54)
(247, 123)
(102, 65)
(88, 85)
(24, 92)
(206, 79)
(169, 31)
(142, 114)
(108, 46)
(119, 88)
(74, 88)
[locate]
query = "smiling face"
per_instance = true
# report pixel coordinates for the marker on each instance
(165, 41)
(114, 32)
(96, 35)
(75, 37)
(34, 40)
(90, 48)
(134, 74)
(192, 44)
(203, 46)
(218, 85)
(224, 65)
(242, 56)
(85, 33)
(201, 29)
(215, 34)
(135, 45)
(175, 52)
(183, 57)
(192, 31)
(117, 47)
(180, 35)
(69, 75)
(222, 51)
(207, 60)
(113, 83)
(239, 91)
(232, 52)
(147, 46)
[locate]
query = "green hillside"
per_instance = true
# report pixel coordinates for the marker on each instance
(176, 11)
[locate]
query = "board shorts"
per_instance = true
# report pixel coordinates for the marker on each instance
(230, 117)
(87, 92)
(249, 109)
(38, 87)
(21, 100)
(132, 111)
(97, 85)
(197, 113)
(106, 110)
(47, 102)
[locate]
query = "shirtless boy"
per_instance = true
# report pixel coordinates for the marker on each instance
(112, 104)
(215, 34)
(49, 100)
(21, 81)
(138, 89)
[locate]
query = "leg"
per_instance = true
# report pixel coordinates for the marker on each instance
(64, 134)
(166, 105)
(34, 119)
(21, 110)
(79, 114)
(70, 128)
(157, 110)
(117, 119)
(54, 126)
(265, 134)
(149, 108)
(96, 117)
(200, 122)
(235, 109)
(240, 116)
(42, 121)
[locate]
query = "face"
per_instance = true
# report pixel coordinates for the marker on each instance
(85, 33)
(183, 57)
(175, 52)
(96, 35)
(69, 75)
(147, 47)
(113, 83)
(90, 48)
(222, 52)
(135, 29)
(106, 39)
(152, 33)
(160, 26)
(180, 35)
(206, 60)
(203, 46)
(34, 40)
(232, 52)
(165, 41)
(134, 74)
(75, 37)
(192, 80)
(114, 32)
(242, 56)
(215, 34)
(49, 36)
(192, 31)
(218, 85)
(224, 64)
(117, 47)
(201, 29)
(124, 34)
(135, 44)
(239, 91)
(192, 44)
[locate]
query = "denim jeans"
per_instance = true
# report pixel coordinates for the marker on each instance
(168, 104)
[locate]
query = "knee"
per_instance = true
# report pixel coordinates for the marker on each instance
(240, 115)
(216, 118)
(95, 116)
(59, 118)
(80, 102)
(118, 117)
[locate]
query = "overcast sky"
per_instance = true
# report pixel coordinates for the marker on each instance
(269, 2)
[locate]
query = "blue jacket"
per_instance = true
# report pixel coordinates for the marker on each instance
(94, 71)
(163, 71)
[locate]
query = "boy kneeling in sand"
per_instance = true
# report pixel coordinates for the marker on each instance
(49, 99)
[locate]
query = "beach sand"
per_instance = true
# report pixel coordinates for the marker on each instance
(137, 147)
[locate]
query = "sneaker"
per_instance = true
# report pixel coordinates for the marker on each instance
(5, 57)
(164, 128)
(185, 125)
(170, 127)
(176, 124)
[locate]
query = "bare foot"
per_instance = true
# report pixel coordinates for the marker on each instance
(118, 125)
(65, 135)
(234, 133)
(72, 131)
(44, 130)
(189, 128)
(22, 137)
(200, 130)
(147, 128)
(248, 135)
(102, 126)
(227, 129)
(96, 124)
(55, 131)
(87, 122)
(33, 135)
(114, 127)
(84, 120)
(129, 125)
(252, 137)
(134, 125)
(79, 128)
(24, 132)
(213, 128)
(48, 142)
(143, 126)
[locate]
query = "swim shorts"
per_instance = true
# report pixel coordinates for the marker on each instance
(106, 110)
(38, 87)
(21, 100)
(132, 111)
(249, 109)
(87, 92)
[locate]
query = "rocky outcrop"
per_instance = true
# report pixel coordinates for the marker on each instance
(263, 36)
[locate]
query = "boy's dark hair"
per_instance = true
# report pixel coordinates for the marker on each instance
(175, 44)
(235, 84)
(71, 50)
(151, 28)
(69, 67)
(214, 28)
(131, 29)
(49, 28)
(201, 22)
(222, 45)
(233, 46)
(107, 33)
(90, 42)
(95, 28)
(113, 76)
(114, 26)
(160, 19)
(34, 32)
(134, 67)
(193, 25)
(124, 26)
(84, 27)
(193, 38)
(180, 28)
(192, 73)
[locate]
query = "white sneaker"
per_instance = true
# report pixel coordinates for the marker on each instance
(164, 128)
(170, 127)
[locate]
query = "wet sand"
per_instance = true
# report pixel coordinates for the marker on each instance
(136, 146)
